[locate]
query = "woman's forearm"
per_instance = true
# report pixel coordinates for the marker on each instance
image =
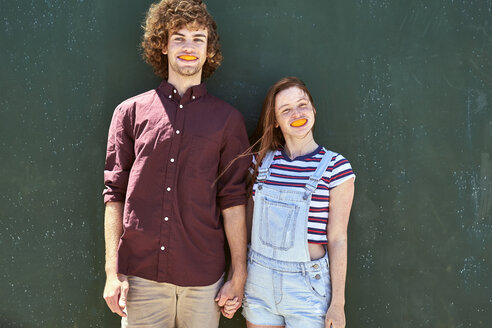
(337, 250)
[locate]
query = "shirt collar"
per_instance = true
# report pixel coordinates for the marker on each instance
(302, 157)
(193, 93)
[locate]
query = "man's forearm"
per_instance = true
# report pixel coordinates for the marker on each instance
(113, 229)
(235, 229)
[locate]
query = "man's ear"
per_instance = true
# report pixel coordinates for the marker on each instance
(164, 50)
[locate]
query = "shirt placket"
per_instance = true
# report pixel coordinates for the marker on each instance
(169, 210)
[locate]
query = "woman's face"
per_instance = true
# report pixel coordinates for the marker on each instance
(294, 113)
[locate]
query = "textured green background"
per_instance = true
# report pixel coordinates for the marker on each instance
(402, 88)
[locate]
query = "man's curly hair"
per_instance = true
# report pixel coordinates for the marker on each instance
(168, 16)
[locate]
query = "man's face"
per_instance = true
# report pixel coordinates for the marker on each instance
(186, 51)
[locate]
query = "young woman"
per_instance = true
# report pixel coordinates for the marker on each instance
(301, 196)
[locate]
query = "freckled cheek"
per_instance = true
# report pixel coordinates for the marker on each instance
(284, 120)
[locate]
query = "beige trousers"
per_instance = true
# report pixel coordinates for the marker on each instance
(152, 304)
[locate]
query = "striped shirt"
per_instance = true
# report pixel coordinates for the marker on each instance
(288, 173)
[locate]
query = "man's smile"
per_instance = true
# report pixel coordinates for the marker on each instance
(188, 57)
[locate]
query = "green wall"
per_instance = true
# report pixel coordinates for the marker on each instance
(402, 88)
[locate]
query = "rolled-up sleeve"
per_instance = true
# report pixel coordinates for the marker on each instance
(232, 183)
(119, 156)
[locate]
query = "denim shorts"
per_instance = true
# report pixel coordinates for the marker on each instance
(291, 294)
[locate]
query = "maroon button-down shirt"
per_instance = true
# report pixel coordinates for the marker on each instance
(164, 154)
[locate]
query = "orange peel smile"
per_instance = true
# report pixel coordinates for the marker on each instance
(187, 57)
(299, 122)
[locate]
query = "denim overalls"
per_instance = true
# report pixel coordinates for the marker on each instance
(284, 287)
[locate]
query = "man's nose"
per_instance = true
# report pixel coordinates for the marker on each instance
(188, 46)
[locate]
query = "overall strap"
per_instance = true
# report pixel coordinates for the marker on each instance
(314, 179)
(264, 169)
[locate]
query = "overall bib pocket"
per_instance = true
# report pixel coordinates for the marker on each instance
(278, 224)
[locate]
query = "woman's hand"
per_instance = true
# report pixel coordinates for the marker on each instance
(335, 316)
(230, 307)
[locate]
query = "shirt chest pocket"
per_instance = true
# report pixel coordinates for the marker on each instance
(203, 159)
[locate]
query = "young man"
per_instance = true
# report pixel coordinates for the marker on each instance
(167, 181)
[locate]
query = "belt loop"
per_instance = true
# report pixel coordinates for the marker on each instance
(303, 269)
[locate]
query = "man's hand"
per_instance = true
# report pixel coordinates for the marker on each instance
(115, 293)
(230, 297)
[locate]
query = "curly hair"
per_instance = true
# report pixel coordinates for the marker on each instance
(168, 16)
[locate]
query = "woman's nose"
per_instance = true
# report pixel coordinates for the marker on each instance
(297, 112)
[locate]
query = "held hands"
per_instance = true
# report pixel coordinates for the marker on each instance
(335, 316)
(230, 307)
(115, 293)
(230, 297)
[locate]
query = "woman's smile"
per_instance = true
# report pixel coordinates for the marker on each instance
(299, 122)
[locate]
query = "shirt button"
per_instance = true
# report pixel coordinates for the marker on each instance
(192, 97)
(170, 96)
(178, 132)
(166, 219)
(163, 248)
(174, 91)
(172, 160)
(180, 106)
(168, 188)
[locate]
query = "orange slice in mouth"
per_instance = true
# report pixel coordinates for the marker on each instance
(299, 122)
(187, 57)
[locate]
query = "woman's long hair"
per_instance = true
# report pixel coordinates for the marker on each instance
(267, 136)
